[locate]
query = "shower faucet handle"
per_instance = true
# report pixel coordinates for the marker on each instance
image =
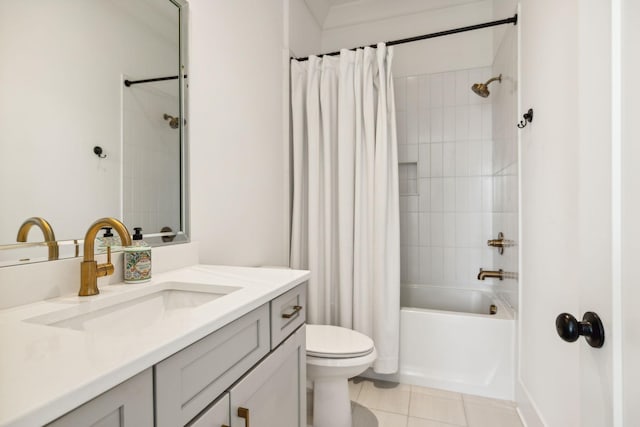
(500, 243)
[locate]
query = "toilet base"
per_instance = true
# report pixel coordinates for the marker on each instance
(331, 403)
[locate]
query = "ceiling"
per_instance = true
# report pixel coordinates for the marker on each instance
(339, 13)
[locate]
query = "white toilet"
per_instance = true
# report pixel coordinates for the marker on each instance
(335, 354)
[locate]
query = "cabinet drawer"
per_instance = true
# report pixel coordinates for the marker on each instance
(288, 311)
(215, 416)
(188, 381)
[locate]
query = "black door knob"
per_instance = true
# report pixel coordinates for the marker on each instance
(591, 328)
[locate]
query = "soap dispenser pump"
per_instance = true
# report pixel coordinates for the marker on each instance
(137, 259)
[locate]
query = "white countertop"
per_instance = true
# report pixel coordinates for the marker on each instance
(46, 371)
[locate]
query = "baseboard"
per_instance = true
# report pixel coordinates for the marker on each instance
(527, 409)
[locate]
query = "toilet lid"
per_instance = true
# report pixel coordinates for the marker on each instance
(336, 342)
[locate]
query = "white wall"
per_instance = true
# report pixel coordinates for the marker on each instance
(238, 136)
(630, 293)
(305, 33)
(455, 52)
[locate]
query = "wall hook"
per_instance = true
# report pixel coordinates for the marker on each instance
(97, 150)
(528, 118)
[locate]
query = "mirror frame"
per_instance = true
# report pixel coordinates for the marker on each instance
(153, 239)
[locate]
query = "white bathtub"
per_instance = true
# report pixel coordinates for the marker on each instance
(448, 340)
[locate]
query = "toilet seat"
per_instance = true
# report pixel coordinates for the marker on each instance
(334, 342)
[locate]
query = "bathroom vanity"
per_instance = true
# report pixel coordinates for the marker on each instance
(215, 346)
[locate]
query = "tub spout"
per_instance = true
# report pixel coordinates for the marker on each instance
(483, 274)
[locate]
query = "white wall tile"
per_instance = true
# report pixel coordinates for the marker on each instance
(424, 223)
(462, 194)
(424, 160)
(412, 238)
(413, 267)
(424, 94)
(424, 258)
(436, 124)
(449, 159)
(424, 194)
(462, 122)
(401, 127)
(462, 265)
(436, 230)
(424, 127)
(474, 150)
(487, 194)
(487, 157)
(448, 194)
(449, 88)
(448, 132)
(449, 264)
(487, 121)
(449, 229)
(475, 194)
(435, 90)
(437, 196)
(462, 158)
(436, 159)
(400, 92)
(463, 87)
(413, 125)
(437, 265)
(449, 123)
(462, 230)
(475, 122)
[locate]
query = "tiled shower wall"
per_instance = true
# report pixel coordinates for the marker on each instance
(445, 151)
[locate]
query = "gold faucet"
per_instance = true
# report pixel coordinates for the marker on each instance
(47, 230)
(90, 270)
(483, 274)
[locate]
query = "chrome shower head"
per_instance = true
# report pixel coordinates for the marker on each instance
(482, 89)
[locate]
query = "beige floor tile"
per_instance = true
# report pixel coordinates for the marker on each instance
(421, 422)
(489, 415)
(386, 397)
(437, 408)
(488, 401)
(354, 389)
(388, 419)
(436, 392)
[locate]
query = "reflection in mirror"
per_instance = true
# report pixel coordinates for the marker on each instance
(76, 143)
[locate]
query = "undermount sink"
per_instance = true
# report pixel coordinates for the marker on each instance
(170, 299)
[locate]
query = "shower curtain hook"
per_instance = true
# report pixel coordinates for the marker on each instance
(528, 118)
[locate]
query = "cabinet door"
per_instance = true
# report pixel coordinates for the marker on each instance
(215, 416)
(129, 404)
(273, 393)
(188, 381)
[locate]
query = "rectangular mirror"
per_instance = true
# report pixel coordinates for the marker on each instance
(78, 144)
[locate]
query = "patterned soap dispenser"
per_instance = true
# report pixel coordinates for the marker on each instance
(137, 259)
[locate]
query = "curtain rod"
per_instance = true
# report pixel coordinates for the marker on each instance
(513, 20)
(128, 83)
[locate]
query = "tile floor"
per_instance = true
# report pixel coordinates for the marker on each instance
(401, 405)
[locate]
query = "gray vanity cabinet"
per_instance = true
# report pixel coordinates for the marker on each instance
(188, 381)
(129, 404)
(273, 393)
(251, 372)
(216, 415)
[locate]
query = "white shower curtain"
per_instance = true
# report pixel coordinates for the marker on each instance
(345, 219)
